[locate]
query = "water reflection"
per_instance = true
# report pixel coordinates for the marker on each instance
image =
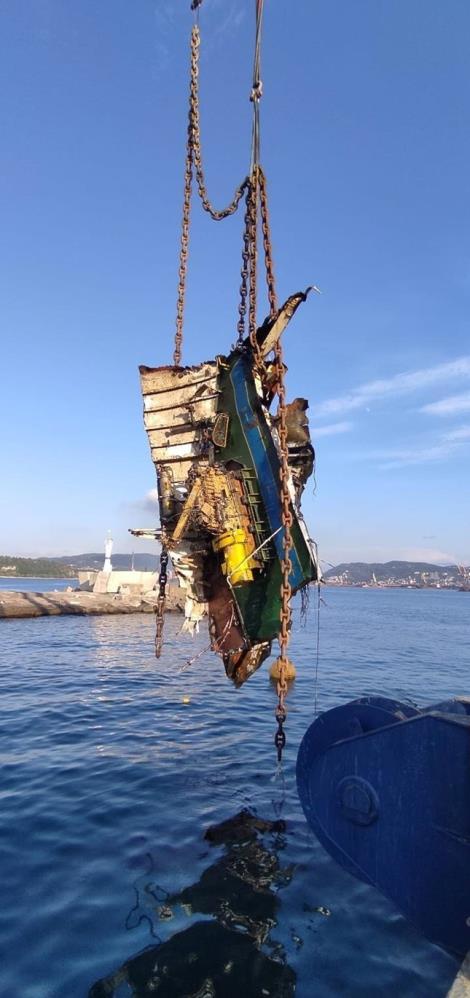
(230, 953)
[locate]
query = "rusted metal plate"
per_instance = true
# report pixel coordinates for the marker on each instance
(272, 329)
(220, 430)
(168, 439)
(197, 411)
(167, 379)
(171, 420)
(225, 627)
(175, 401)
(181, 452)
(173, 398)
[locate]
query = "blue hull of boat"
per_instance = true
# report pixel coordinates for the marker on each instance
(386, 789)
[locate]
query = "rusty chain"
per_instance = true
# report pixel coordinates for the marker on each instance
(160, 606)
(183, 267)
(252, 264)
(248, 286)
(284, 476)
(196, 140)
(256, 201)
(268, 257)
(194, 164)
(244, 272)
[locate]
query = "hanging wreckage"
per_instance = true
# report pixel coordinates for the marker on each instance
(231, 474)
(215, 447)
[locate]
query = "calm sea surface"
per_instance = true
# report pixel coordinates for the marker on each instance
(115, 765)
(27, 585)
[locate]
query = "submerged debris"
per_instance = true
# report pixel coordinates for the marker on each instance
(222, 956)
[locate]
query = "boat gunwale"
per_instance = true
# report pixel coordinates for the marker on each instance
(175, 388)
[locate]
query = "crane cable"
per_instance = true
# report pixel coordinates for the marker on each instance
(253, 187)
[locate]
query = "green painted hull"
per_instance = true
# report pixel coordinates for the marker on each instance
(250, 445)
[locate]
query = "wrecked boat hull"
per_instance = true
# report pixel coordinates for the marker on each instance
(251, 443)
(216, 453)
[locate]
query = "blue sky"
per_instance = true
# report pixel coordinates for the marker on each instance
(366, 145)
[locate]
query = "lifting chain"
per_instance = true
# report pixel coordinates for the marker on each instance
(287, 520)
(194, 163)
(254, 188)
(183, 267)
(196, 139)
(268, 257)
(244, 271)
(284, 476)
(252, 263)
(248, 286)
(160, 607)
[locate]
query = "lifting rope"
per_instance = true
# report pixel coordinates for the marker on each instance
(253, 189)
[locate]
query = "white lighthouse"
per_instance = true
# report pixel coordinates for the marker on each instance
(124, 583)
(108, 548)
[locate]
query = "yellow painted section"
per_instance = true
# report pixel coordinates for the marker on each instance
(236, 547)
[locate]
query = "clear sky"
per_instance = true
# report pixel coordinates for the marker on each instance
(366, 145)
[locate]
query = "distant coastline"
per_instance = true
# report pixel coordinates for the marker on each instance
(399, 575)
(49, 578)
(68, 566)
(389, 574)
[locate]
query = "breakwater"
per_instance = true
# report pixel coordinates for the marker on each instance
(28, 604)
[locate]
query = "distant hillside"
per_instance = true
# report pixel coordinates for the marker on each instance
(143, 561)
(361, 571)
(67, 566)
(50, 568)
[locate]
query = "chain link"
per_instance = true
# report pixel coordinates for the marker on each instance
(183, 267)
(244, 272)
(196, 140)
(268, 257)
(252, 264)
(254, 188)
(160, 606)
(248, 288)
(194, 164)
(284, 475)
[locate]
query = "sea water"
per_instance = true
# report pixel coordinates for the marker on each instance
(114, 766)
(41, 585)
